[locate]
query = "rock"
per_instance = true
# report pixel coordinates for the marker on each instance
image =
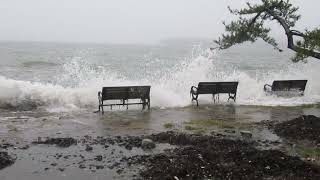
(128, 147)
(246, 134)
(99, 167)
(54, 164)
(5, 160)
(60, 142)
(6, 146)
(231, 131)
(301, 128)
(89, 148)
(147, 144)
(203, 157)
(61, 169)
(98, 158)
(119, 171)
(25, 147)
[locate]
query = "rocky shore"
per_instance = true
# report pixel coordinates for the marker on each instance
(174, 154)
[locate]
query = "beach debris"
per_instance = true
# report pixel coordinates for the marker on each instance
(305, 127)
(60, 142)
(24, 147)
(98, 158)
(53, 164)
(89, 148)
(5, 160)
(61, 169)
(210, 157)
(147, 144)
(6, 145)
(246, 134)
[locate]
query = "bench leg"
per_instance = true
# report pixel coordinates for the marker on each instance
(215, 97)
(148, 104)
(194, 97)
(143, 104)
(99, 106)
(232, 97)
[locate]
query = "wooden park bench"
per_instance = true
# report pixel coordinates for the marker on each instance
(215, 88)
(124, 93)
(286, 87)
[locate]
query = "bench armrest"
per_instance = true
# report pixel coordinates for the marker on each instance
(265, 87)
(193, 90)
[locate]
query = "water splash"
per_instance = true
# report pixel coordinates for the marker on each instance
(80, 81)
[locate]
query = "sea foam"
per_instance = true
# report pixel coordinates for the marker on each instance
(77, 86)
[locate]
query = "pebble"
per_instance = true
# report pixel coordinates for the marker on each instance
(98, 158)
(89, 148)
(61, 169)
(54, 164)
(147, 144)
(246, 134)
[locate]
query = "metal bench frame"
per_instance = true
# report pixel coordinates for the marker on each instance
(287, 86)
(124, 93)
(214, 88)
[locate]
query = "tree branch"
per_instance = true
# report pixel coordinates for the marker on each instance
(297, 33)
(290, 34)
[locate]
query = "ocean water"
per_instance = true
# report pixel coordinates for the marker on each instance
(66, 77)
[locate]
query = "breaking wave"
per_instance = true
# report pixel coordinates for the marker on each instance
(77, 86)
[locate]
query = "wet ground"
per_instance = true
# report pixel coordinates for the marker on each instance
(90, 149)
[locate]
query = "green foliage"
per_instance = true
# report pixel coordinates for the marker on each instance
(191, 128)
(218, 123)
(168, 125)
(196, 130)
(250, 26)
(306, 152)
(311, 40)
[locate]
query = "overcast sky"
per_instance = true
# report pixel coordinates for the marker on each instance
(124, 21)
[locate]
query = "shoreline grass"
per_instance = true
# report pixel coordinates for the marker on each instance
(218, 123)
(168, 125)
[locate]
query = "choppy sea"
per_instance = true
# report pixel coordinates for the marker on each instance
(62, 77)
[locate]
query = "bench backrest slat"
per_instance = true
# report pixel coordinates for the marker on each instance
(289, 85)
(207, 87)
(228, 87)
(139, 92)
(217, 87)
(125, 92)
